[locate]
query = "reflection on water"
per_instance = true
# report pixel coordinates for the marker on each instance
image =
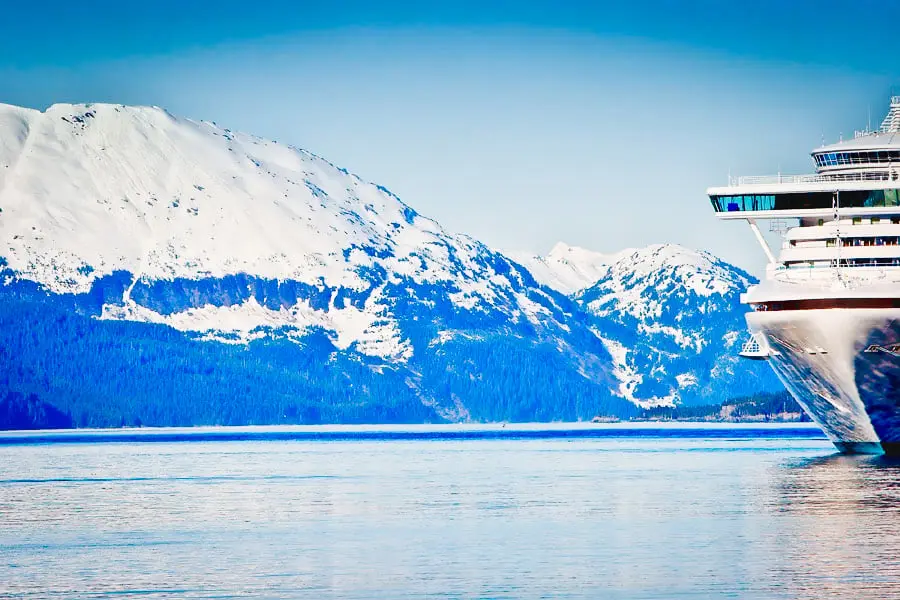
(840, 518)
(588, 518)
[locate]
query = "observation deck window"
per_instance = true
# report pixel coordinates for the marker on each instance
(881, 198)
(806, 201)
(744, 202)
(838, 159)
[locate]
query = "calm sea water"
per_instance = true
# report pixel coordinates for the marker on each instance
(642, 516)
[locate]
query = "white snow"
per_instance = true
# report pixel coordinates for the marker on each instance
(86, 190)
(136, 189)
(686, 380)
(730, 338)
(629, 378)
(636, 287)
(375, 336)
(660, 268)
(568, 269)
(692, 341)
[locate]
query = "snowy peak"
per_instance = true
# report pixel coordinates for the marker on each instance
(573, 270)
(701, 271)
(212, 231)
(87, 190)
(566, 268)
(671, 318)
(133, 214)
(563, 251)
(640, 281)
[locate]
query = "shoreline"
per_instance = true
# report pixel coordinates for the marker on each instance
(446, 431)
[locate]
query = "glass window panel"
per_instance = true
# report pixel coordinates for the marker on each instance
(874, 198)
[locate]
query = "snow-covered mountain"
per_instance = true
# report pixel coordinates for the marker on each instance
(160, 270)
(91, 190)
(133, 215)
(670, 316)
(568, 269)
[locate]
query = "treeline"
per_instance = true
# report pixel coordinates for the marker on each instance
(98, 373)
(506, 378)
(61, 366)
(112, 373)
(770, 406)
(18, 411)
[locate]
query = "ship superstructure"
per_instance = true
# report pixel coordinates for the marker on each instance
(826, 316)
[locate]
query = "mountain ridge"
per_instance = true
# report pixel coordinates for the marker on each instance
(129, 219)
(566, 268)
(671, 318)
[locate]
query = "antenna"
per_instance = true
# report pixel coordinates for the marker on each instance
(838, 242)
(869, 118)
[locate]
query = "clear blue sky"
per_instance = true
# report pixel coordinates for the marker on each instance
(520, 123)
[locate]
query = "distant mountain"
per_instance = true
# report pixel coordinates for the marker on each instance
(568, 269)
(159, 270)
(671, 318)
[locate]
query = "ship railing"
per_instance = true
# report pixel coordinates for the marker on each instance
(851, 276)
(813, 178)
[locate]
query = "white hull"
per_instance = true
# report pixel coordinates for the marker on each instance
(843, 367)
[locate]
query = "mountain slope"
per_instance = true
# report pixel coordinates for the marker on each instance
(131, 232)
(673, 321)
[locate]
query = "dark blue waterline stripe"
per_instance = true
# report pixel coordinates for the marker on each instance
(344, 436)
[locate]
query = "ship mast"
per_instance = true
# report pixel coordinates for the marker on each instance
(836, 206)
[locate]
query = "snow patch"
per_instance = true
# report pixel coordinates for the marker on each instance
(373, 334)
(686, 380)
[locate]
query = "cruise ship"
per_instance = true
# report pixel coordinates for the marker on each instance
(826, 315)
